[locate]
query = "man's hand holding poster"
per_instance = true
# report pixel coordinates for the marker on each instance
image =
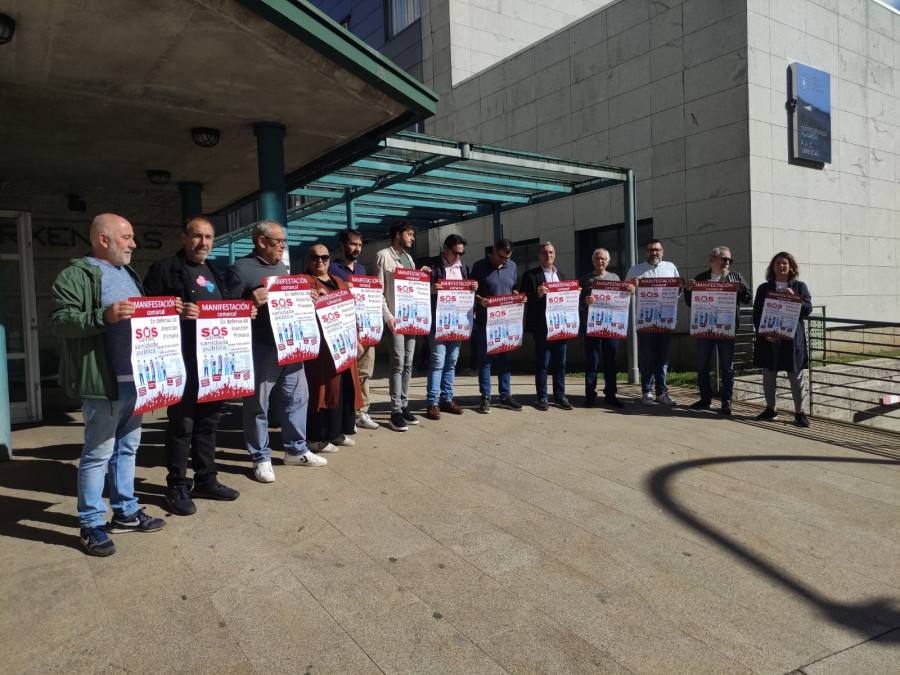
(293, 318)
(224, 350)
(608, 314)
(337, 315)
(657, 300)
(713, 304)
(367, 293)
(780, 316)
(156, 360)
(562, 309)
(453, 315)
(504, 322)
(412, 300)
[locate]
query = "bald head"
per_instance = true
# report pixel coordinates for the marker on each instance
(112, 239)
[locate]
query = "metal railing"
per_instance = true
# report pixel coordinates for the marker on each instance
(854, 365)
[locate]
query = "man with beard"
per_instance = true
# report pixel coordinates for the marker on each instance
(351, 248)
(91, 313)
(191, 429)
(653, 348)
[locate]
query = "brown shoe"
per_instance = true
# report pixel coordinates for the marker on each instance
(433, 412)
(451, 407)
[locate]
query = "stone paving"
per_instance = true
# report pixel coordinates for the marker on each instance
(650, 540)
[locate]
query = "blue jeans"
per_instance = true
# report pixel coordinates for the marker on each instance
(501, 363)
(290, 384)
(111, 439)
(441, 370)
(705, 350)
(549, 355)
(597, 352)
(653, 361)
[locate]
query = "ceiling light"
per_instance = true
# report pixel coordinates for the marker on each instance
(7, 28)
(205, 137)
(158, 176)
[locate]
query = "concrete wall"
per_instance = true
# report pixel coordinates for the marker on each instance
(842, 222)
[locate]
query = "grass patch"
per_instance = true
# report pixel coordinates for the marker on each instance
(853, 358)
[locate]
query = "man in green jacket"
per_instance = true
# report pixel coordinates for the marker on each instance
(91, 313)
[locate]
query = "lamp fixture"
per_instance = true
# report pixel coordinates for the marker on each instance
(158, 176)
(7, 28)
(205, 137)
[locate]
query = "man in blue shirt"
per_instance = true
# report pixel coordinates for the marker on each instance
(496, 275)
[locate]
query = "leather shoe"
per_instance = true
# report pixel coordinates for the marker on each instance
(433, 412)
(450, 407)
(726, 408)
(613, 402)
(563, 403)
(216, 491)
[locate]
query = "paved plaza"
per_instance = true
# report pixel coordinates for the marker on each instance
(645, 541)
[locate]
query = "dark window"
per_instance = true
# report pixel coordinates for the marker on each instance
(400, 14)
(614, 239)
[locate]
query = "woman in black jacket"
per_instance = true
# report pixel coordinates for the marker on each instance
(774, 354)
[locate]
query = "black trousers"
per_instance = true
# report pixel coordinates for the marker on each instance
(191, 433)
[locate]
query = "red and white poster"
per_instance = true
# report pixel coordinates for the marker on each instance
(562, 309)
(453, 312)
(657, 302)
(412, 302)
(504, 323)
(224, 350)
(337, 316)
(156, 360)
(713, 304)
(608, 315)
(293, 318)
(367, 294)
(780, 316)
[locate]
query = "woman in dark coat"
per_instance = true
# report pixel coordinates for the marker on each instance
(334, 397)
(774, 354)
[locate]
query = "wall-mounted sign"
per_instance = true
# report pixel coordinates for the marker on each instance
(810, 107)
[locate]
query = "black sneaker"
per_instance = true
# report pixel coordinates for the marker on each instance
(612, 401)
(510, 402)
(485, 406)
(801, 420)
(564, 403)
(408, 417)
(767, 414)
(726, 408)
(397, 422)
(179, 501)
(96, 542)
(217, 491)
(541, 404)
(701, 405)
(136, 522)
(590, 401)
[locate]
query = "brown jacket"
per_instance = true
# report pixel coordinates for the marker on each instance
(324, 384)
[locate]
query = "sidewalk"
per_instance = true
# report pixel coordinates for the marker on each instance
(648, 540)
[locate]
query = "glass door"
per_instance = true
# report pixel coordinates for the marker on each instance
(18, 317)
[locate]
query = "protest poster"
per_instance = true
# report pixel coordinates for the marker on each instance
(293, 318)
(561, 313)
(224, 350)
(412, 302)
(713, 306)
(657, 301)
(608, 315)
(337, 316)
(367, 294)
(780, 315)
(504, 323)
(156, 360)
(453, 312)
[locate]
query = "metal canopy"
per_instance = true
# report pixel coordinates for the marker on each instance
(429, 181)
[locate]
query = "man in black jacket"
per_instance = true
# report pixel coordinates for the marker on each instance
(191, 430)
(548, 354)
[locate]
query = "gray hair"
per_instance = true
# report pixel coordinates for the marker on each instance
(717, 251)
(545, 245)
(596, 251)
(263, 228)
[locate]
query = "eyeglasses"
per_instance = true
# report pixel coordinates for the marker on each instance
(654, 250)
(277, 242)
(725, 261)
(323, 258)
(459, 254)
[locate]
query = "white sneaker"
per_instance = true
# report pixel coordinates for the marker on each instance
(363, 420)
(322, 447)
(344, 440)
(306, 459)
(647, 398)
(263, 472)
(665, 399)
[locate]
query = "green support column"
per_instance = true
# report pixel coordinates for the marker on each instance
(498, 226)
(5, 420)
(351, 211)
(191, 199)
(630, 189)
(270, 159)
